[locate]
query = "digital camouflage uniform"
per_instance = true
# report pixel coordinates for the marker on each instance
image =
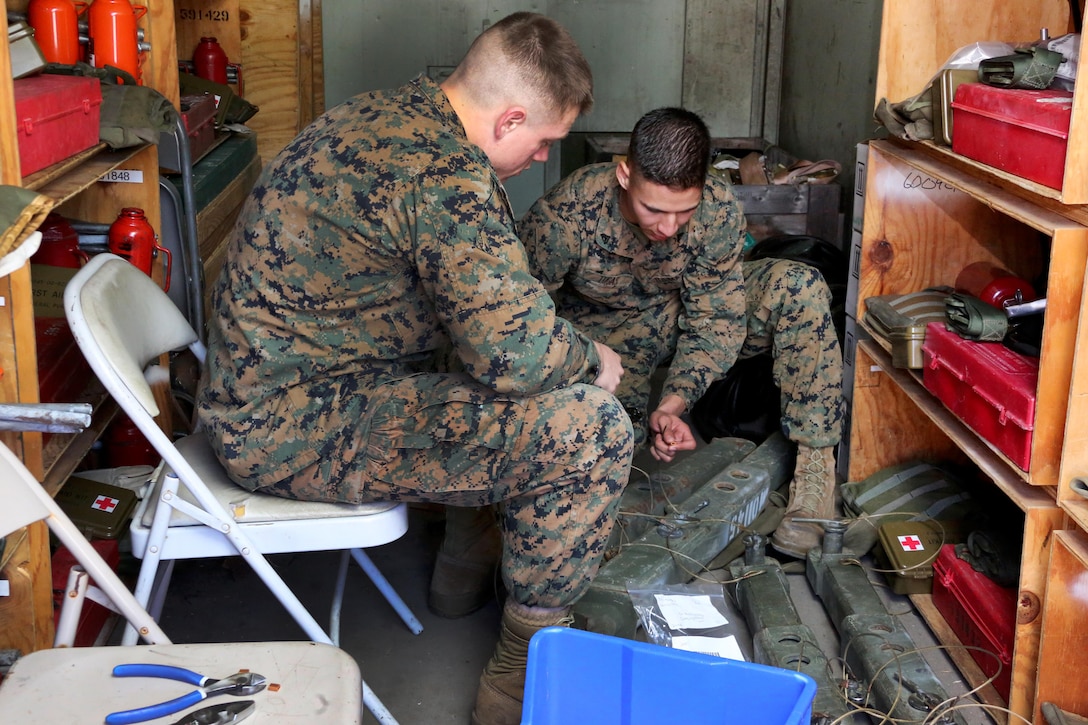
(689, 297)
(378, 236)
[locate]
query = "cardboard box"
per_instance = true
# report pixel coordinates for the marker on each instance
(981, 613)
(991, 388)
(57, 117)
(1019, 131)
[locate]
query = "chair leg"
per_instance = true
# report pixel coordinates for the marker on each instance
(152, 557)
(376, 707)
(160, 587)
(387, 591)
(144, 594)
(338, 597)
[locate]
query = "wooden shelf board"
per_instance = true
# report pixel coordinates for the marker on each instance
(67, 179)
(1006, 475)
(965, 663)
(993, 195)
(62, 453)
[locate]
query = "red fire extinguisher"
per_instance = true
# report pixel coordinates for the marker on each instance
(60, 244)
(210, 61)
(131, 236)
(56, 28)
(114, 37)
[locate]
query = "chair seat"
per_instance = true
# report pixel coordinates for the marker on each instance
(275, 524)
(318, 683)
(248, 506)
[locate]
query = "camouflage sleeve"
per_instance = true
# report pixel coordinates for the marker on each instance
(552, 239)
(713, 323)
(500, 320)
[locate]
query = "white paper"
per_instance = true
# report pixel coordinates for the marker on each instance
(684, 611)
(726, 647)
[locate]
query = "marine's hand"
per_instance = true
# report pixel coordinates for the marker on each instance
(669, 434)
(611, 369)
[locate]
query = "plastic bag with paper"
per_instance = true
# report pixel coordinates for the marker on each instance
(695, 617)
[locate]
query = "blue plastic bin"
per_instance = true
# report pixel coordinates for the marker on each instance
(576, 677)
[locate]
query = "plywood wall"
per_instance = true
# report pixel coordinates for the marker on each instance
(277, 43)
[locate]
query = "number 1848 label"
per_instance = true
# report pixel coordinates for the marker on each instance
(124, 176)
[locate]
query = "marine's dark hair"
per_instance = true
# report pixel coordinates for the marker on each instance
(671, 147)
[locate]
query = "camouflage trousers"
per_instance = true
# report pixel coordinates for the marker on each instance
(787, 306)
(557, 462)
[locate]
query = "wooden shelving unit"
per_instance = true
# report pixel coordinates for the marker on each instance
(928, 214)
(917, 38)
(81, 189)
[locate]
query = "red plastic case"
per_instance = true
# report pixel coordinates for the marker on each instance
(1020, 131)
(981, 613)
(990, 387)
(63, 372)
(198, 114)
(57, 117)
(93, 616)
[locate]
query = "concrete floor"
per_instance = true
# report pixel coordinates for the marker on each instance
(429, 679)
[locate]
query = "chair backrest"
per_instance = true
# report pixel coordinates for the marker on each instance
(121, 321)
(127, 317)
(25, 501)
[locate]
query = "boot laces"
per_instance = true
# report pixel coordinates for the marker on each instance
(513, 651)
(810, 485)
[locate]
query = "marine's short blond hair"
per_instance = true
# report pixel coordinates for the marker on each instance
(530, 59)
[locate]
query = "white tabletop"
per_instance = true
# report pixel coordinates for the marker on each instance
(308, 683)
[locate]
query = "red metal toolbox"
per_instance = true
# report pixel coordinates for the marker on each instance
(57, 117)
(1020, 131)
(990, 387)
(981, 613)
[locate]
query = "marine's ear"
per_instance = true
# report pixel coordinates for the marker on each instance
(509, 120)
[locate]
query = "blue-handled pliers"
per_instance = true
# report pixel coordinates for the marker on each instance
(242, 684)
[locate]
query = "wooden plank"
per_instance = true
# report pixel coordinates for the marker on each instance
(926, 221)
(219, 19)
(26, 614)
(100, 201)
(160, 67)
(918, 37)
(1040, 523)
(1063, 653)
(1065, 284)
(9, 132)
(963, 660)
(270, 56)
(61, 182)
(886, 428)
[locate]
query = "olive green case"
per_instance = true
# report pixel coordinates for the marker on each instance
(900, 320)
(99, 510)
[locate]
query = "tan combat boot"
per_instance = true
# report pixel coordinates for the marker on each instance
(812, 496)
(502, 685)
(464, 572)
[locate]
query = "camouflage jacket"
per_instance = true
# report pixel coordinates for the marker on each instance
(376, 237)
(580, 245)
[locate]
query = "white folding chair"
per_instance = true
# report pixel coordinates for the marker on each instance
(122, 321)
(318, 683)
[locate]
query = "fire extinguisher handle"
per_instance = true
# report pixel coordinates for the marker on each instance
(169, 264)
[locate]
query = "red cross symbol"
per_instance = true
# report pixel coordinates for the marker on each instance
(911, 543)
(105, 503)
